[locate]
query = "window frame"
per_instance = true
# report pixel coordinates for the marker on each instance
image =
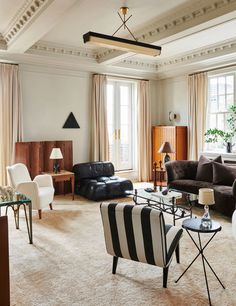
(218, 147)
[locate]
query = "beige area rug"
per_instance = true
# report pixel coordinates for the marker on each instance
(68, 265)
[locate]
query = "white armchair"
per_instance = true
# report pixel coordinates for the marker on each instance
(40, 190)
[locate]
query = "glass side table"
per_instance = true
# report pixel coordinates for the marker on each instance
(18, 201)
(194, 225)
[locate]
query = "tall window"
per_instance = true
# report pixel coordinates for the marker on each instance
(221, 95)
(121, 115)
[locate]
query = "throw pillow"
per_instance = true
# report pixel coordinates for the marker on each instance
(223, 175)
(205, 169)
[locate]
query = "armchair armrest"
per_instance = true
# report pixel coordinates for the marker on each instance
(43, 180)
(30, 190)
(181, 169)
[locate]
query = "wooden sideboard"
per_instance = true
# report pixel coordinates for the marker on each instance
(176, 135)
(4, 263)
(35, 155)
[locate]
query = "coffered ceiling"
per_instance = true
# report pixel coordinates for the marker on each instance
(193, 34)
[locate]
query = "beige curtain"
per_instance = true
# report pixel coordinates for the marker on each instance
(197, 98)
(99, 146)
(10, 116)
(144, 132)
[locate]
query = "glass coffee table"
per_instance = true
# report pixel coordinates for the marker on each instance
(176, 203)
(15, 203)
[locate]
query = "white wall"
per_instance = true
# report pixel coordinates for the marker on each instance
(49, 95)
(172, 95)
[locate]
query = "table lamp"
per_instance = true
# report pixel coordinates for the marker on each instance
(56, 154)
(206, 198)
(166, 148)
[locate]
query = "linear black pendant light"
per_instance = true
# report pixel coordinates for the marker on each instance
(121, 43)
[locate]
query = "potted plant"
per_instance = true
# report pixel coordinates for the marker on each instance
(213, 135)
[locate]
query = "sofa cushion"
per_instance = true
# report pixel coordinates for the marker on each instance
(93, 170)
(223, 175)
(191, 186)
(205, 168)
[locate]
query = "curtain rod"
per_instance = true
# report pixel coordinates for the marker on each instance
(213, 69)
(121, 77)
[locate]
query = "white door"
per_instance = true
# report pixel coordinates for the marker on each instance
(121, 124)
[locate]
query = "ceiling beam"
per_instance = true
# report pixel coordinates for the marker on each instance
(186, 20)
(33, 21)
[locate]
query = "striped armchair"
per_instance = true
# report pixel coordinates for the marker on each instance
(139, 233)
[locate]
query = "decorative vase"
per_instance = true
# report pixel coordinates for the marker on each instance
(229, 147)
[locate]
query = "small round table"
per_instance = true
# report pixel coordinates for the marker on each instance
(194, 225)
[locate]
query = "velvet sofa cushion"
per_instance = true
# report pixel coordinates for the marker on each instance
(223, 175)
(191, 186)
(205, 168)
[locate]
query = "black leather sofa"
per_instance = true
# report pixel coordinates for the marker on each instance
(182, 175)
(96, 181)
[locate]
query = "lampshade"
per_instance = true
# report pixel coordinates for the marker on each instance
(206, 196)
(166, 148)
(56, 154)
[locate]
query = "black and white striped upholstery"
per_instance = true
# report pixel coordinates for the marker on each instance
(139, 233)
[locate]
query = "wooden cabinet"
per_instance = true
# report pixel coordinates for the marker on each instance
(35, 155)
(4, 263)
(175, 135)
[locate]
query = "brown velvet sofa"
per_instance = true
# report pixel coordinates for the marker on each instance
(181, 175)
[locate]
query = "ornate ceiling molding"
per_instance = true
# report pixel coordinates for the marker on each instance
(55, 50)
(189, 58)
(3, 44)
(214, 51)
(24, 17)
(187, 17)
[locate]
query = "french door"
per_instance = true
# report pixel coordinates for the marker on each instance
(121, 124)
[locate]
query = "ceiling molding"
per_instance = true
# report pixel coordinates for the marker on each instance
(56, 49)
(196, 57)
(187, 17)
(77, 59)
(24, 16)
(180, 23)
(33, 21)
(3, 44)
(75, 54)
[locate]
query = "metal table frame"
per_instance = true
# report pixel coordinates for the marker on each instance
(15, 205)
(201, 249)
(178, 211)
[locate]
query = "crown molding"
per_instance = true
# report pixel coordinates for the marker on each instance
(189, 59)
(186, 17)
(45, 48)
(3, 44)
(24, 16)
(75, 59)
(83, 55)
